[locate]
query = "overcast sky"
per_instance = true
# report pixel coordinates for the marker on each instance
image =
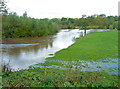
(63, 8)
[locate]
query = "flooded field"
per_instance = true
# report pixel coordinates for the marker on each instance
(110, 66)
(20, 53)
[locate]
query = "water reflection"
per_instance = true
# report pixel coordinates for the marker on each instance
(23, 52)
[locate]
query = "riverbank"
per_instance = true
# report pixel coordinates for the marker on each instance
(93, 47)
(30, 51)
(96, 51)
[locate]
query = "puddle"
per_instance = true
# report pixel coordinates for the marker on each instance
(110, 65)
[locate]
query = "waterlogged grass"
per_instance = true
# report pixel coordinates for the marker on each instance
(101, 65)
(93, 47)
(50, 63)
(40, 77)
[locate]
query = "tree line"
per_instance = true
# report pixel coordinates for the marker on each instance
(23, 26)
(15, 26)
(88, 22)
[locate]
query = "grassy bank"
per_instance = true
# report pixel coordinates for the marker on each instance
(93, 47)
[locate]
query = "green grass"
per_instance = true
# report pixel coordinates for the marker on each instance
(93, 47)
(58, 78)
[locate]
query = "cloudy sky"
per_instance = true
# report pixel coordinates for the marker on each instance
(63, 8)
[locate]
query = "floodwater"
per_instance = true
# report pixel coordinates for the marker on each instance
(109, 65)
(21, 53)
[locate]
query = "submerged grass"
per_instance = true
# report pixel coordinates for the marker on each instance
(93, 47)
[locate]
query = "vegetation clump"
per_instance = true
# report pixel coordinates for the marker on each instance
(58, 78)
(22, 26)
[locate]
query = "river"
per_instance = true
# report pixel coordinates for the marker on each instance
(21, 53)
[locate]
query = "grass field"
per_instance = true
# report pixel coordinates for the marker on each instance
(93, 47)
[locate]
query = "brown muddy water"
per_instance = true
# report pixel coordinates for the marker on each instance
(21, 53)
